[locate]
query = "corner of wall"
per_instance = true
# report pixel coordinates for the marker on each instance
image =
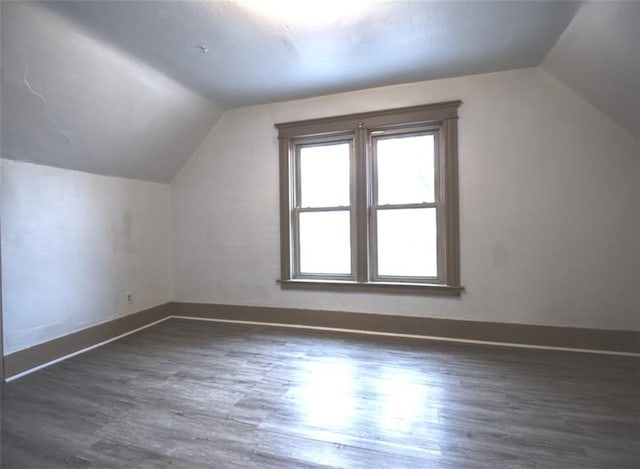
(558, 82)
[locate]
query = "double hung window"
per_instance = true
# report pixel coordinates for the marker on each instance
(370, 201)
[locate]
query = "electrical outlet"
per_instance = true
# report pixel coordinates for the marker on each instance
(129, 297)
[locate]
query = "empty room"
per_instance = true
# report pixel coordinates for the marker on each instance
(320, 233)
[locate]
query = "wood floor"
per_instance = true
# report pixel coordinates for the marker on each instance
(192, 394)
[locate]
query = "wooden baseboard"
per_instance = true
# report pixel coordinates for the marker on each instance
(503, 333)
(603, 340)
(38, 355)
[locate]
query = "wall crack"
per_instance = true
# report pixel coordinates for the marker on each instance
(67, 136)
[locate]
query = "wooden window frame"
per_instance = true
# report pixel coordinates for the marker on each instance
(363, 130)
(296, 207)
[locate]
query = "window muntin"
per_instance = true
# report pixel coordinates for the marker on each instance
(403, 203)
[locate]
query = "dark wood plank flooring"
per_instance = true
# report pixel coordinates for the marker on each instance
(193, 394)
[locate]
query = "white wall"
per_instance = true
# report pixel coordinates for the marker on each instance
(72, 244)
(549, 207)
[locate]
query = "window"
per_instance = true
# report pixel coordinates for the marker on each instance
(370, 201)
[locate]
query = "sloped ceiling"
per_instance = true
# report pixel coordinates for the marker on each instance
(598, 56)
(72, 100)
(123, 88)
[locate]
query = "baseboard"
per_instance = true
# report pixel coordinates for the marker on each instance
(35, 357)
(567, 338)
(573, 338)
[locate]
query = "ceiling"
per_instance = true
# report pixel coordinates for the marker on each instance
(74, 101)
(124, 88)
(598, 56)
(253, 58)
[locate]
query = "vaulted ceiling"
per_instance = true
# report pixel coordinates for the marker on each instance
(131, 88)
(598, 56)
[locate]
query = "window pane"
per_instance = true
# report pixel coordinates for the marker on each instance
(407, 242)
(405, 169)
(325, 243)
(324, 175)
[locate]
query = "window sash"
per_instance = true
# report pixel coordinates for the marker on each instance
(374, 207)
(298, 144)
(297, 253)
(412, 131)
(374, 255)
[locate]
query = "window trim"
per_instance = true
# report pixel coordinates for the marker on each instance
(363, 127)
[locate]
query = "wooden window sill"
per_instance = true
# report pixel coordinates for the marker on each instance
(372, 287)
